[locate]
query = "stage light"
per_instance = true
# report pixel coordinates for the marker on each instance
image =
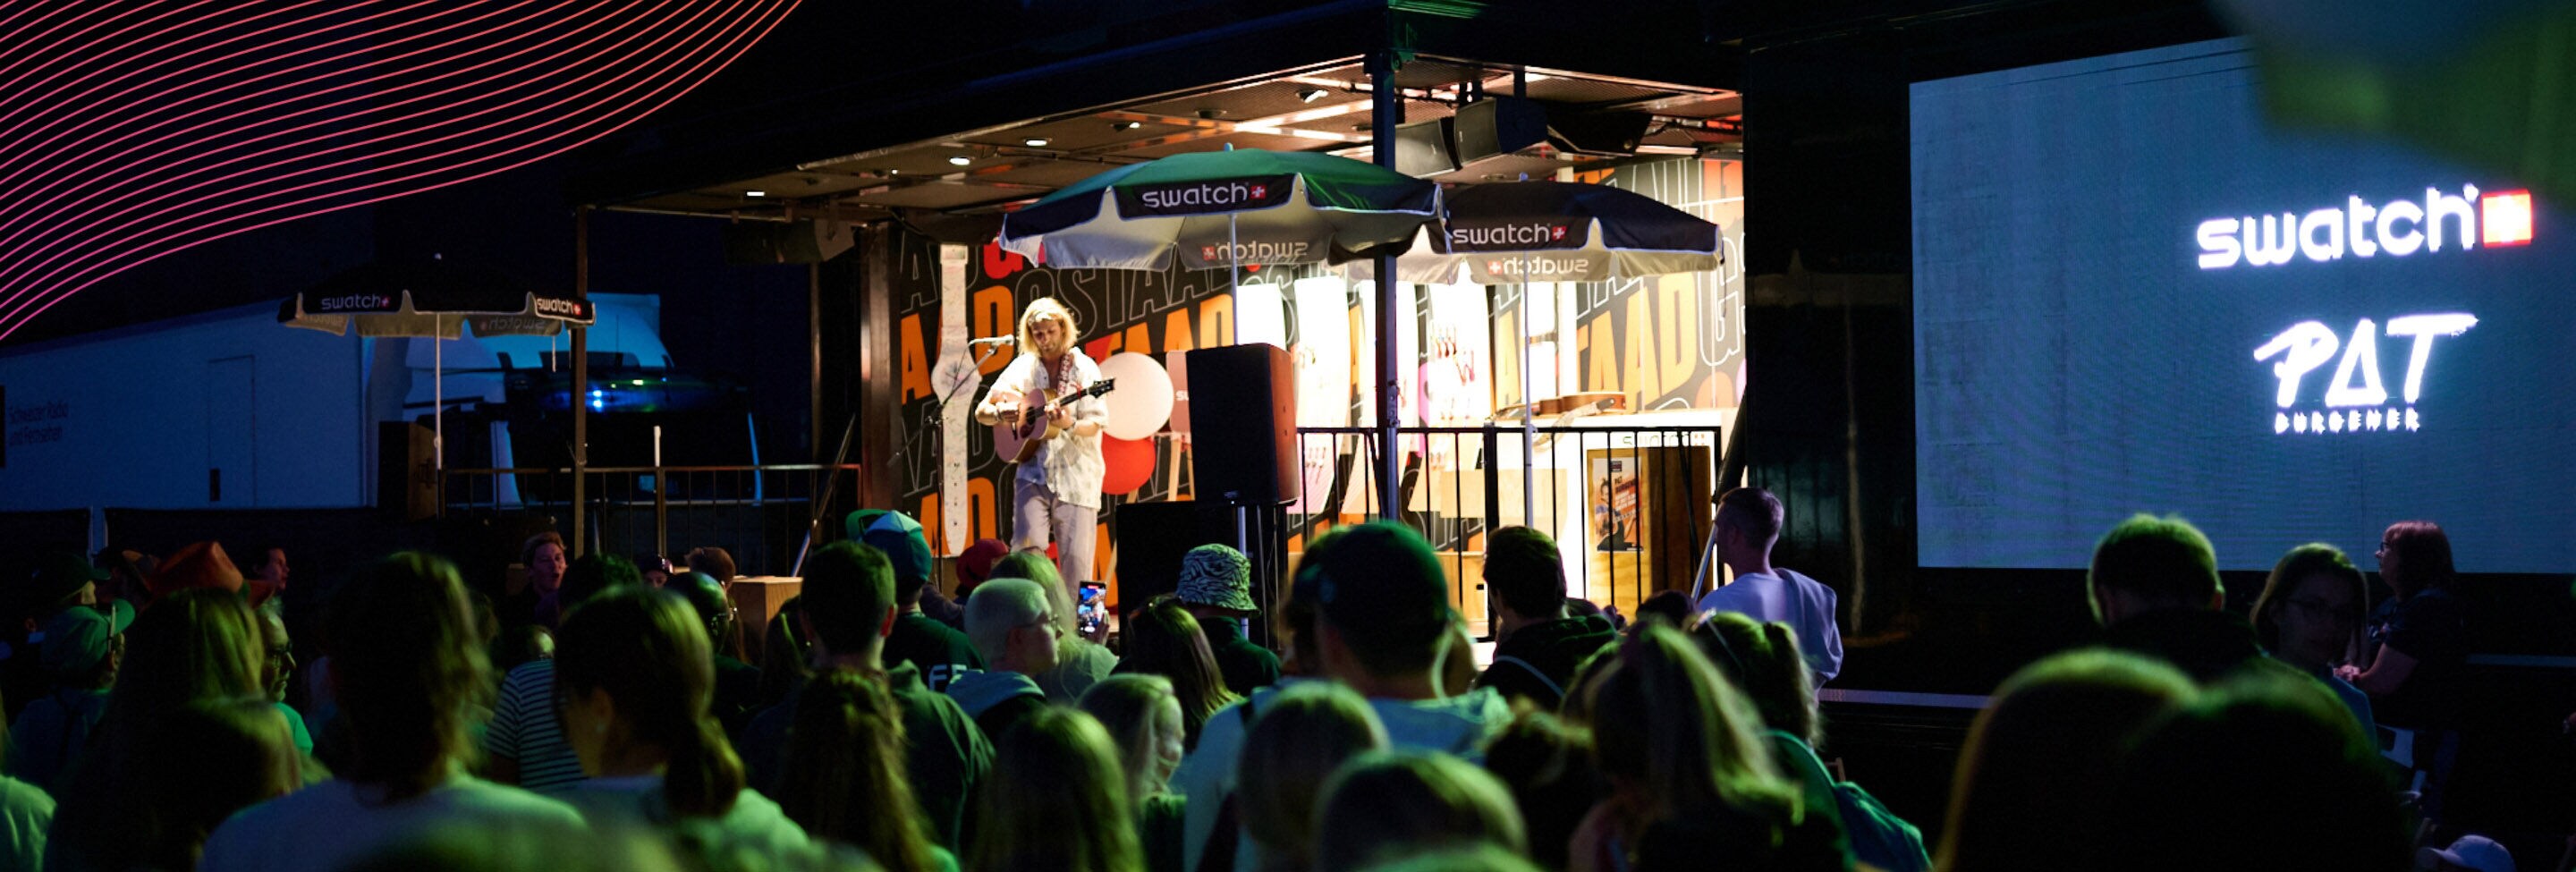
(1310, 95)
(755, 193)
(960, 160)
(1036, 142)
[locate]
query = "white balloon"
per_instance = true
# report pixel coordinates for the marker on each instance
(1142, 400)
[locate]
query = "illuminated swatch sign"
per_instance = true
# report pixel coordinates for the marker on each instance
(2359, 228)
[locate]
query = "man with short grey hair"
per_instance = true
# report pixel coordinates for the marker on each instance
(1014, 630)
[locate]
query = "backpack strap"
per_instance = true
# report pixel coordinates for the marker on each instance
(1552, 686)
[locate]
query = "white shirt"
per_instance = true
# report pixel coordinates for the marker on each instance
(1072, 463)
(1805, 604)
(755, 822)
(328, 826)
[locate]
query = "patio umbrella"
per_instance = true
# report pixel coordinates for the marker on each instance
(1518, 232)
(436, 298)
(1218, 209)
(1226, 208)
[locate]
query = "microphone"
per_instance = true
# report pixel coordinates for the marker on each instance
(992, 341)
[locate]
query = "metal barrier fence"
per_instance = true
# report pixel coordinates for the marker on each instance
(1628, 505)
(759, 514)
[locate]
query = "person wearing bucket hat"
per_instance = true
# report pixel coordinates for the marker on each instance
(83, 647)
(941, 652)
(1216, 588)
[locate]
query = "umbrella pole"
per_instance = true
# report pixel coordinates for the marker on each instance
(1529, 412)
(438, 393)
(1386, 110)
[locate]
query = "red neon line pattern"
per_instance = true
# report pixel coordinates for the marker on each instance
(236, 126)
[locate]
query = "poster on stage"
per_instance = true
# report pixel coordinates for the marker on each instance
(1613, 499)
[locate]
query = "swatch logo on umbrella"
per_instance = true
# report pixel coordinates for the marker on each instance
(1508, 236)
(555, 306)
(1569, 268)
(1255, 252)
(356, 303)
(1204, 198)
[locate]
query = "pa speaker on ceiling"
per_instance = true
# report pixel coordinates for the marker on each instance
(800, 241)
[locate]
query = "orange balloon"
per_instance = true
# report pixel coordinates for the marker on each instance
(1130, 464)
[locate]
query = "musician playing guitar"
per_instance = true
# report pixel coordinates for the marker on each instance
(1056, 492)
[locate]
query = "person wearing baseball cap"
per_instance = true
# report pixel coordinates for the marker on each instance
(82, 648)
(941, 652)
(1216, 588)
(1383, 627)
(2472, 853)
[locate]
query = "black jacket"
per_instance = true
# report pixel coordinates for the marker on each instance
(2206, 644)
(1535, 661)
(939, 651)
(1246, 666)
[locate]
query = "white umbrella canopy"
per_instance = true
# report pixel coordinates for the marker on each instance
(436, 298)
(1514, 233)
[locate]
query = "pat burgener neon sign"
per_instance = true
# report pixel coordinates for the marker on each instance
(2359, 228)
(2355, 399)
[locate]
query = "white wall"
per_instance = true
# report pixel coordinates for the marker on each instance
(126, 418)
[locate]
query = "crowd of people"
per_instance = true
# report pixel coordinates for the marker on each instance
(601, 714)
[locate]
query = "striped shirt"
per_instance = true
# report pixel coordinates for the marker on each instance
(527, 728)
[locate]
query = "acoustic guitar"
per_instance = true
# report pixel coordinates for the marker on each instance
(1020, 431)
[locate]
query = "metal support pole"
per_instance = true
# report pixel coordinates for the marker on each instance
(816, 486)
(1386, 110)
(580, 380)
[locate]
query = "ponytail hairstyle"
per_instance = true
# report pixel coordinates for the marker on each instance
(645, 648)
(845, 771)
(1763, 660)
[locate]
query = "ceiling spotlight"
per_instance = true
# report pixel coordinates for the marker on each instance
(1310, 95)
(755, 193)
(1036, 142)
(1125, 125)
(960, 160)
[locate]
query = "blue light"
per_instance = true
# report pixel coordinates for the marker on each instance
(597, 404)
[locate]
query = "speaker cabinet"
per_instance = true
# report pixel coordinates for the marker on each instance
(799, 241)
(1152, 537)
(1425, 148)
(1243, 420)
(406, 473)
(1497, 126)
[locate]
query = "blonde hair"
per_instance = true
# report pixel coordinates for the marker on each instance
(1307, 732)
(1055, 800)
(1127, 705)
(1047, 308)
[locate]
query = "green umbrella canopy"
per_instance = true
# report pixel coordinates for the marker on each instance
(1223, 208)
